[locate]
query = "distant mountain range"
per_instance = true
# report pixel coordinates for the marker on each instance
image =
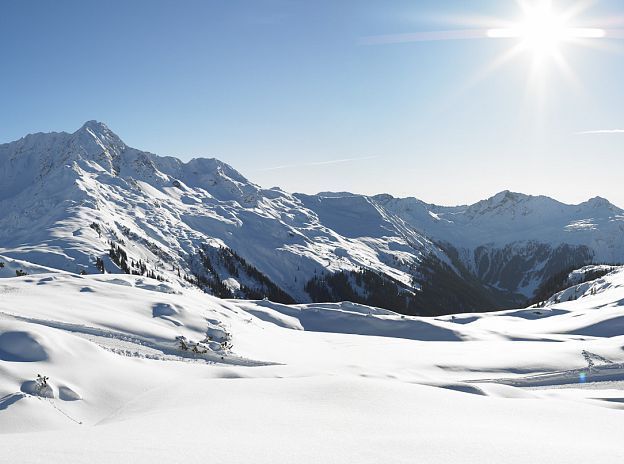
(85, 202)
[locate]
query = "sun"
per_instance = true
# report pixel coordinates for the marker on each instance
(543, 30)
(547, 32)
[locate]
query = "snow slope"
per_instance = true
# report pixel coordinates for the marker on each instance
(65, 197)
(514, 217)
(305, 383)
(515, 241)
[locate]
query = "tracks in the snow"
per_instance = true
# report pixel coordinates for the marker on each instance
(136, 345)
(605, 373)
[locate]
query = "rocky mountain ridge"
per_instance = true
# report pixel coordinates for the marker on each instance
(85, 202)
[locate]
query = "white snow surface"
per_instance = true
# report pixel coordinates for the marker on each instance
(305, 383)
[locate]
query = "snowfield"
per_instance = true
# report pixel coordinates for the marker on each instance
(271, 383)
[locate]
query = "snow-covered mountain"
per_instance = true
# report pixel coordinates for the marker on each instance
(515, 242)
(85, 202)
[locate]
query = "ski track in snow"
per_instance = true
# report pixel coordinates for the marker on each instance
(134, 345)
(579, 378)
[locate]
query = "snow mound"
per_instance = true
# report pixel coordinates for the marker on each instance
(67, 394)
(15, 267)
(349, 318)
(21, 346)
(32, 387)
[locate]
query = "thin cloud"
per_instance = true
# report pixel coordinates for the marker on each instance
(319, 163)
(429, 36)
(602, 131)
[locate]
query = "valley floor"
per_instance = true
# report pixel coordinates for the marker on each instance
(328, 383)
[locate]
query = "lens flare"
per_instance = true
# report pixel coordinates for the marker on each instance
(543, 30)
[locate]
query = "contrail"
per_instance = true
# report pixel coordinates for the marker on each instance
(319, 163)
(492, 33)
(602, 131)
(430, 36)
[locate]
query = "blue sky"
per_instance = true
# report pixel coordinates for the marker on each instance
(289, 93)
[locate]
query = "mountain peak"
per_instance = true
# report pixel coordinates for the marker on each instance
(98, 130)
(600, 202)
(95, 126)
(95, 141)
(507, 196)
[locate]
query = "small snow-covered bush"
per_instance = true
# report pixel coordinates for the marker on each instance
(41, 383)
(189, 345)
(199, 348)
(95, 226)
(182, 343)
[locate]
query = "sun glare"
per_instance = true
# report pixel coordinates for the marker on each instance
(543, 30)
(546, 32)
